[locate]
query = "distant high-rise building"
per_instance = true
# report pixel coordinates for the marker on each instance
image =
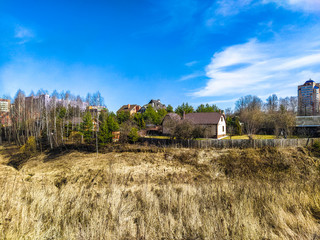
(5, 112)
(4, 105)
(308, 99)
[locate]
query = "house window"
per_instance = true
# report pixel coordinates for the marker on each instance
(221, 119)
(222, 128)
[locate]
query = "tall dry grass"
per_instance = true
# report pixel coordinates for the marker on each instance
(170, 194)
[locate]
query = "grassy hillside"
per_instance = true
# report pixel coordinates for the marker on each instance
(149, 193)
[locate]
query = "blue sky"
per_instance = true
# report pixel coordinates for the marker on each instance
(177, 51)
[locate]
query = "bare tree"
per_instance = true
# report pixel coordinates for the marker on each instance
(293, 103)
(284, 103)
(252, 120)
(272, 103)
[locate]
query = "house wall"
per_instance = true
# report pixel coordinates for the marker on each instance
(222, 127)
(210, 131)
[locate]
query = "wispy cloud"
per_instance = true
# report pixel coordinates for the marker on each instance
(262, 68)
(231, 7)
(23, 34)
(300, 5)
(192, 63)
(223, 12)
(191, 76)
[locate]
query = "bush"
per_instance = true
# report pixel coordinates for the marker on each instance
(133, 135)
(184, 130)
(30, 147)
(315, 149)
(76, 137)
(125, 130)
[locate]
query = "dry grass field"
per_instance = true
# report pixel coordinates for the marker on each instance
(147, 193)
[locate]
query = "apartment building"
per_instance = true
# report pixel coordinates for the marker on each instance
(4, 105)
(308, 99)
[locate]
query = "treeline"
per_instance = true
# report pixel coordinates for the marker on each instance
(59, 118)
(251, 116)
(50, 119)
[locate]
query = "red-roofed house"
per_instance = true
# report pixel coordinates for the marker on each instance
(131, 108)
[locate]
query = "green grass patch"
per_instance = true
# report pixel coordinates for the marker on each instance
(158, 137)
(253, 136)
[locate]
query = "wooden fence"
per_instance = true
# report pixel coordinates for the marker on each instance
(229, 143)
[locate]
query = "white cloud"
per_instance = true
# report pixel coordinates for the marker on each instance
(231, 7)
(191, 76)
(192, 63)
(262, 68)
(304, 5)
(222, 11)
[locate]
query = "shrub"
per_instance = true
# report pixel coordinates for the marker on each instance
(30, 147)
(315, 149)
(125, 130)
(76, 137)
(184, 130)
(133, 135)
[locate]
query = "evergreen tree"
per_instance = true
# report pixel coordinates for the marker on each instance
(238, 126)
(161, 114)
(123, 116)
(105, 136)
(139, 120)
(208, 108)
(133, 135)
(113, 126)
(103, 116)
(169, 109)
(87, 127)
(185, 107)
(150, 115)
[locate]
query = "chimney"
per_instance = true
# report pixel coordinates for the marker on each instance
(184, 115)
(128, 106)
(220, 111)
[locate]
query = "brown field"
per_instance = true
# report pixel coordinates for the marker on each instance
(148, 193)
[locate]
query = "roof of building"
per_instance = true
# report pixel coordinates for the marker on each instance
(204, 118)
(156, 104)
(128, 107)
(154, 100)
(309, 81)
(307, 121)
(173, 116)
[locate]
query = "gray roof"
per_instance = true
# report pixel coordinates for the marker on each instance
(156, 104)
(204, 118)
(173, 116)
(307, 121)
